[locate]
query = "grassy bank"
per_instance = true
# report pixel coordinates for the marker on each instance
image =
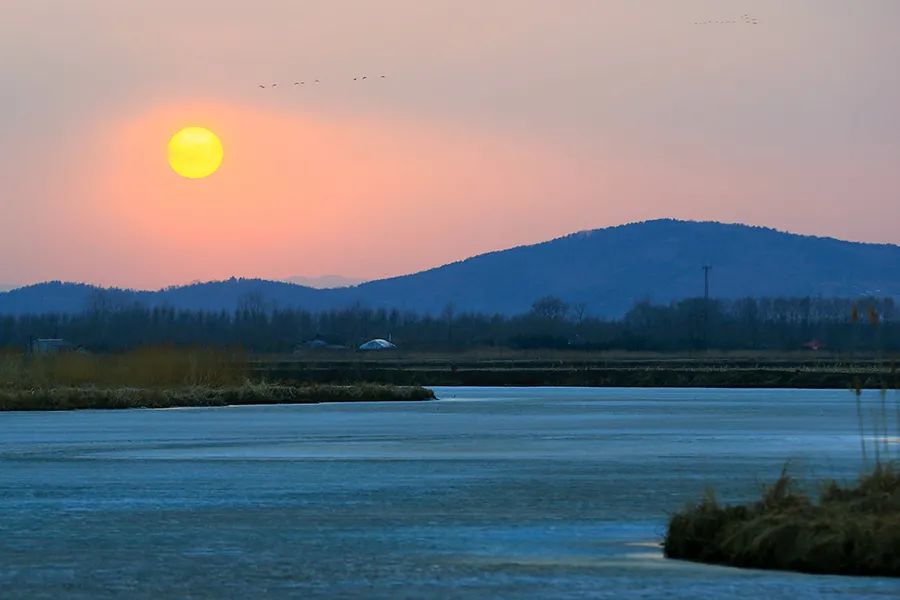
(850, 530)
(165, 378)
(71, 398)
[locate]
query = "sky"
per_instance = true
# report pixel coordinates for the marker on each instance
(499, 123)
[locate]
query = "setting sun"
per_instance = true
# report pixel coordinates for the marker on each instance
(195, 152)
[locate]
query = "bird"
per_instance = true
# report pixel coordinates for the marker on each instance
(746, 19)
(357, 78)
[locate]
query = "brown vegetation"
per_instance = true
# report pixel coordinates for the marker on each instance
(852, 530)
(143, 367)
(162, 378)
(70, 398)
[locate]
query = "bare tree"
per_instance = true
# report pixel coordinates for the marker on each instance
(550, 308)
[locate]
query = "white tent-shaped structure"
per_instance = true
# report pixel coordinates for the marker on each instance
(377, 344)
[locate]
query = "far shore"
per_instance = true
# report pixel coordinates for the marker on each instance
(803, 371)
(56, 398)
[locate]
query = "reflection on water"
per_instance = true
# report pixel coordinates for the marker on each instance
(529, 493)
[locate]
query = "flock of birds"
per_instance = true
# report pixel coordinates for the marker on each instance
(315, 81)
(744, 20)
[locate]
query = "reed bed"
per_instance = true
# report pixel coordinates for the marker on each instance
(850, 530)
(144, 367)
(163, 378)
(71, 398)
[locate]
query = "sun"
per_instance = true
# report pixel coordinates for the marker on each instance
(195, 152)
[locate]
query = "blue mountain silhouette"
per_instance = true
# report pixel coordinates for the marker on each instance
(605, 269)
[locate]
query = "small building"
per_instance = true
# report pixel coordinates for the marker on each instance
(320, 342)
(377, 344)
(317, 344)
(813, 345)
(50, 346)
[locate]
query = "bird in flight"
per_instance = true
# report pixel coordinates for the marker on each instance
(357, 78)
(747, 19)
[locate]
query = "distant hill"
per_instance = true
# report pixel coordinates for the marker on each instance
(606, 269)
(59, 297)
(324, 281)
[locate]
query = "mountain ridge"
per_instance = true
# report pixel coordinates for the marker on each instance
(606, 269)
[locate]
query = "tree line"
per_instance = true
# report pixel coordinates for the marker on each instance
(832, 324)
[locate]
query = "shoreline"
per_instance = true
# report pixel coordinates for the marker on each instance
(701, 376)
(498, 367)
(61, 398)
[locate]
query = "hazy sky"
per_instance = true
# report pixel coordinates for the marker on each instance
(501, 122)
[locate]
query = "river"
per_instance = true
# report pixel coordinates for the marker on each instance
(488, 492)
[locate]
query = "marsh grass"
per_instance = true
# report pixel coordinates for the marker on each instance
(850, 530)
(145, 367)
(71, 398)
(163, 378)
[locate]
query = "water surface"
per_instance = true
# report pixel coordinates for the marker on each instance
(507, 493)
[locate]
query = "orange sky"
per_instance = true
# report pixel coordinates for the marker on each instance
(505, 125)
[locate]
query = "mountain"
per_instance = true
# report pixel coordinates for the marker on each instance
(324, 281)
(606, 269)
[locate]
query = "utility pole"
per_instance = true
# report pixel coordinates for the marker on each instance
(706, 270)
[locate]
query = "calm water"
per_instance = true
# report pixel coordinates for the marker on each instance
(508, 493)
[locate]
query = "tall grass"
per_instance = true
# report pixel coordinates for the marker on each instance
(71, 398)
(851, 530)
(162, 377)
(883, 443)
(155, 367)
